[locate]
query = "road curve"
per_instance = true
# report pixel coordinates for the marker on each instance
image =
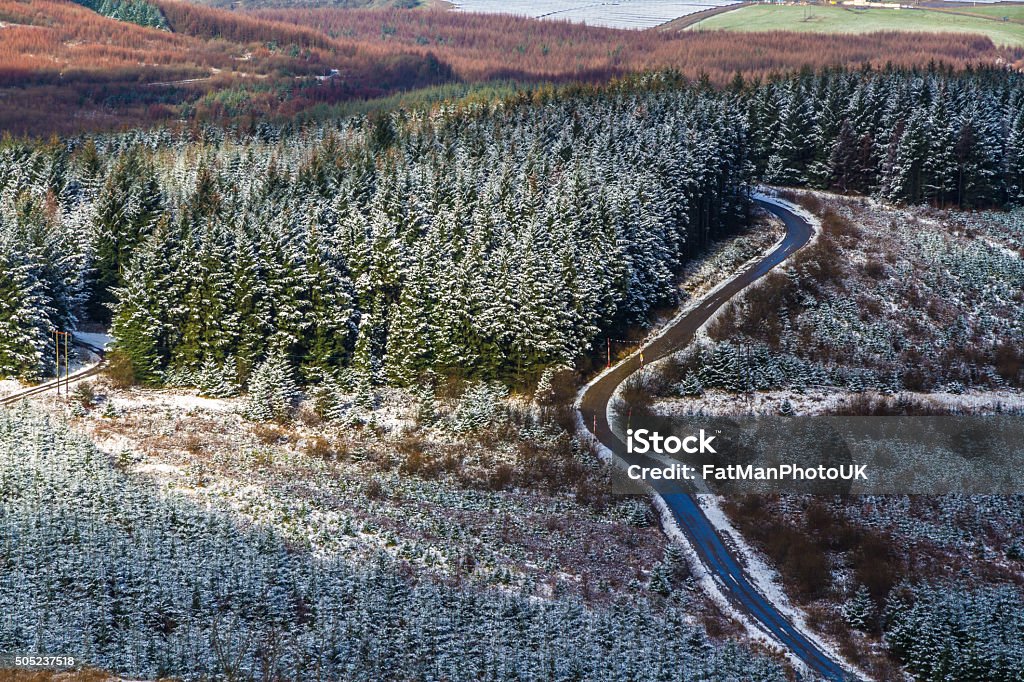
(707, 543)
(83, 373)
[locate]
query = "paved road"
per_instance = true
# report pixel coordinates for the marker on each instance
(709, 546)
(75, 377)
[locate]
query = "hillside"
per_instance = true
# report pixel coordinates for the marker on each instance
(65, 68)
(501, 46)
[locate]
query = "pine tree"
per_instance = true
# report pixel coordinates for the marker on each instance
(410, 343)
(272, 390)
(143, 310)
(1015, 162)
(25, 329)
(794, 147)
(940, 163)
(845, 172)
(904, 175)
(859, 610)
(126, 211)
(690, 385)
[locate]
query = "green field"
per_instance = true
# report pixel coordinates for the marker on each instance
(1013, 12)
(831, 19)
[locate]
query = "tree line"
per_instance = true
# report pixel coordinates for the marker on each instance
(942, 138)
(134, 11)
(491, 243)
(489, 240)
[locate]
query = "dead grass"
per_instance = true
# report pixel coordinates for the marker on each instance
(85, 675)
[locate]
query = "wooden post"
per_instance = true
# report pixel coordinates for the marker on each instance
(56, 343)
(67, 366)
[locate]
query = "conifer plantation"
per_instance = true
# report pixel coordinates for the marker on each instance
(357, 268)
(486, 242)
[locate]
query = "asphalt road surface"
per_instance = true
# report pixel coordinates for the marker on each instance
(75, 377)
(714, 553)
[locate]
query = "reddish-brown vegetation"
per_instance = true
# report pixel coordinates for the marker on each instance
(64, 68)
(481, 47)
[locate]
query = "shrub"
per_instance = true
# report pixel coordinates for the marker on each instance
(557, 386)
(1008, 359)
(481, 406)
(119, 370)
(322, 448)
(374, 489)
(193, 444)
(268, 434)
(85, 394)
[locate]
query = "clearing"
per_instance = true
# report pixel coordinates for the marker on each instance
(637, 14)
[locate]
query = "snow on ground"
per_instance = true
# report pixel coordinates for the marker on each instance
(344, 488)
(824, 401)
(630, 14)
(765, 578)
(706, 272)
(9, 386)
(181, 400)
(97, 339)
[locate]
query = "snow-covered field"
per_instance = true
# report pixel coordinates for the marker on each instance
(636, 14)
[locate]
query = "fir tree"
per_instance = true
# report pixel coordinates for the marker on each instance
(272, 392)
(859, 610)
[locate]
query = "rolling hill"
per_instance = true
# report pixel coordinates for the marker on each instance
(65, 68)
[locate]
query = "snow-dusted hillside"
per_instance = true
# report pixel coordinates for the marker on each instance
(637, 14)
(100, 566)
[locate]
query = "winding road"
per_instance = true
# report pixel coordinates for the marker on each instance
(74, 377)
(705, 540)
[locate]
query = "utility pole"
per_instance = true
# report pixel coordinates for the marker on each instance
(56, 344)
(59, 336)
(67, 367)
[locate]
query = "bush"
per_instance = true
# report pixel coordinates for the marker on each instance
(557, 386)
(323, 448)
(119, 370)
(838, 227)
(85, 394)
(481, 406)
(193, 444)
(639, 391)
(1008, 359)
(374, 489)
(269, 435)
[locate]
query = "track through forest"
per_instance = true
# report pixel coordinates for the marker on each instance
(716, 556)
(74, 377)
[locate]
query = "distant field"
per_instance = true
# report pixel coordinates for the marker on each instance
(637, 14)
(1013, 12)
(819, 19)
